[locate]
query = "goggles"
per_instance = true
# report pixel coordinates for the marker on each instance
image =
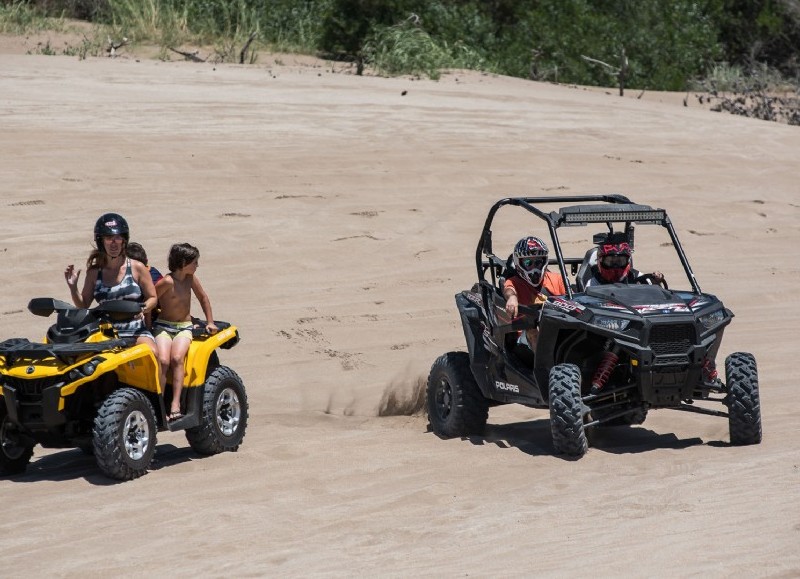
(532, 263)
(614, 261)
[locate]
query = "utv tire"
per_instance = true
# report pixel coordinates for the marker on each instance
(744, 405)
(223, 418)
(566, 411)
(125, 434)
(14, 454)
(454, 403)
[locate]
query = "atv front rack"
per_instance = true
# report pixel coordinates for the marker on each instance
(22, 348)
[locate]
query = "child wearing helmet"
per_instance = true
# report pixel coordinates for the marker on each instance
(112, 275)
(532, 282)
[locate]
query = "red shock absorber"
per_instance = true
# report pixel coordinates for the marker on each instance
(604, 369)
(710, 370)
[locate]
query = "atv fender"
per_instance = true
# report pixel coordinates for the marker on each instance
(136, 366)
(200, 353)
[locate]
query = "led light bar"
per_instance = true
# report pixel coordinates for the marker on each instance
(647, 216)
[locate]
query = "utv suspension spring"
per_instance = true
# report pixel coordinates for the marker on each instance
(604, 369)
(710, 370)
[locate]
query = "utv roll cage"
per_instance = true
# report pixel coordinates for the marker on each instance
(605, 209)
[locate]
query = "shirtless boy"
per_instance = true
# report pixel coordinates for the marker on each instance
(173, 328)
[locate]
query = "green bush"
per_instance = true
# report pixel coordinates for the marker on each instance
(405, 49)
(667, 42)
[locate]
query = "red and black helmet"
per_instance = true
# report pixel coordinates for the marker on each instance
(110, 224)
(530, 260)
(614, 261)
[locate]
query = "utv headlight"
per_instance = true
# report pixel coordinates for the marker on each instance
(609, 323)
(712, 319)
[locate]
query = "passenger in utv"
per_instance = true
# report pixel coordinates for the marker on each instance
(531, 283)
(111, 275)
(614, 265)
(173, 328)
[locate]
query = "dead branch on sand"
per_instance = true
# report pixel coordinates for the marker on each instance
(246, 46)
(193, 56)
(620, 72)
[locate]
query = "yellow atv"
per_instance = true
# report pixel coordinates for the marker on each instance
(85, 387)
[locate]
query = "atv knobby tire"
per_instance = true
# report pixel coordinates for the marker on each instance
(744, 406)
(14, 455)
(455, 405)
(125, 434)
(223, 418)
(566, 410)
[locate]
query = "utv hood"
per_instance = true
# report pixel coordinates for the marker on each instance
(640, 299)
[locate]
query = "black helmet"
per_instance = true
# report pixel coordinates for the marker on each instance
(110, 224)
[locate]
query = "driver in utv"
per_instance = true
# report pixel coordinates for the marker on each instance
(614, 265)
(531, 283)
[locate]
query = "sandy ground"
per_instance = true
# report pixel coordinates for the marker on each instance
(337, 216)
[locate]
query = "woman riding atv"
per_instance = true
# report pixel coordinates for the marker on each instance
(111, 275)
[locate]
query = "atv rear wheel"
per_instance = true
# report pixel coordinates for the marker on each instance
(566, 410)
(223, 418)
(14, 454)
(125, 434)
(455, 405)
(744, 405)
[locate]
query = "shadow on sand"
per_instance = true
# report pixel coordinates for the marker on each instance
(70, 464)
(533, 438)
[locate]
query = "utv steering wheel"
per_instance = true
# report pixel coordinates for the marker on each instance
(651, 279)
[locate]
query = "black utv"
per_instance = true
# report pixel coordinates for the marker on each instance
(606, 354)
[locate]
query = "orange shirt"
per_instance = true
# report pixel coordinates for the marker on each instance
(553, 283)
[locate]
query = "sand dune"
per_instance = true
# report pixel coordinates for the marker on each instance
(336, 217)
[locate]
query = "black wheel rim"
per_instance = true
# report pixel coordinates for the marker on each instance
(9, 445)
(444, 399)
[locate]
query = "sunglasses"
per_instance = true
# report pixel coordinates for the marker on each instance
(614, 261)
(530, 263)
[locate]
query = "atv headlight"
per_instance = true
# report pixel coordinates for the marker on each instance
(712, 319)
(609, 323)
(89, 367)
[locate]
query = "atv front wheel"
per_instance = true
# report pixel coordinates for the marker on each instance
(455, 405)
(14, 453)
(744, 406)
(125, 434)
(224, 415)
(566, 410)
